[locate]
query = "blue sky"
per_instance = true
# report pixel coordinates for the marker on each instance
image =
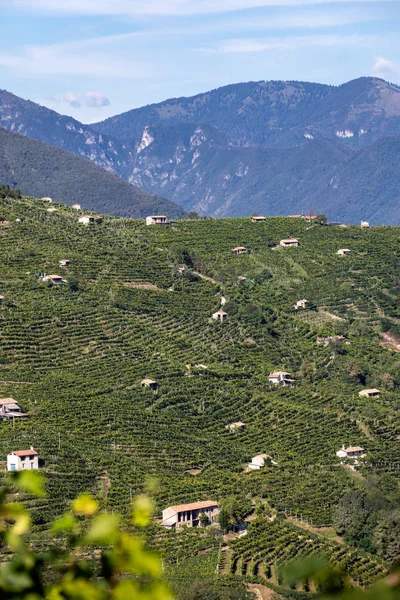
(95, 58)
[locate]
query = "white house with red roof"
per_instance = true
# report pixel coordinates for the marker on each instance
(23, 460)
(189, 514)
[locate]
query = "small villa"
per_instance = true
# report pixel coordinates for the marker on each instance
(156, 220)
(23, 460)
(364, 225)
(220, 315)
(76, 206)
(64, 263)
(351, 452)
(343, 251)
(257, 462)
(370, 393)
(9, 409)
(190, 514)
(280, 378)
(257, 219)
(86, 219)
(238, 426)
(149, 383)
(301, 304)
(239, 250)
(289, 243)
(54, 279)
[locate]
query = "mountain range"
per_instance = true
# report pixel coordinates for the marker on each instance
(273, 147)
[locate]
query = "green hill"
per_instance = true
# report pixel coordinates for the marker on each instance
(43, 170)
(74, 357)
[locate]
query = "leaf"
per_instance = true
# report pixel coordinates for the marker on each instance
(86, 505)
(31, 482)
(64, 523)
(104, 530)
(142, 509)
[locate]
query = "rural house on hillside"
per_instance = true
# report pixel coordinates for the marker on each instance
(258, 219)
(220, 315)
(9, 409)
(238, 426)
(291, 242)
(149, 383)
(239, 250)
(351, 452)
(370, 393)
(156, 220)
(301, 304)
(280, 378)
(86, 219)
(20, 460)
(257, 462)
(343, 251)
(190, 514)
(54, 279)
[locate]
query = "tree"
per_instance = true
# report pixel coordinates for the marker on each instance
(386, 537)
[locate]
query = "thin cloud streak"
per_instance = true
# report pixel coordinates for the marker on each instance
(163, 7)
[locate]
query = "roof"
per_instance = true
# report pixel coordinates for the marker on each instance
(354, 449)
(290, 240)
(239, 248)
(220, 312)
(7, 401)
(13, 406)
(194, 505)
(277, 373)
(25, 453)
(258, 218)
(149, 381)
(237, 424)
(53, 276)
(157, 217)
(301, 301)
(370, 391)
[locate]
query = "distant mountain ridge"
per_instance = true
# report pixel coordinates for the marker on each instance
(271, 147)
(39, 169)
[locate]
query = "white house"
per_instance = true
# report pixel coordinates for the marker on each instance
(9, 409)
(47, 199)
(156, 220)
(257, 219)
(76, 206)
(238, 426)
(257, 462)
(220, 315)
(291, 242)
(370, 393)
(20, 460)
(149, 383)
(343, 251)
(364, 225)
(189, 514)
(239, 250)
(86, 219)
(280, 378)
(301, 304)
(54, 279)
(64, 263)
(351, 452)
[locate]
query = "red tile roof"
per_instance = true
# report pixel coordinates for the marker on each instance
(194, 505)
(25, 453)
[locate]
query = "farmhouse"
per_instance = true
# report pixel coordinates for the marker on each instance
(364, 225)
(190, 514)
(85, 220)
(54, 279)
(220, 315)
(280, 378)
(257, 219)
(257, 462)
(238, 426)
(149, 383)
(324, 341)
(351, 452)
(47, 199)
(239, 250)
(20, 460)
(9, 409)
(76, 206)
(301, 304)
(291, 242)
(156, 220)
(370, 393)
(64, 263)
(343, 251)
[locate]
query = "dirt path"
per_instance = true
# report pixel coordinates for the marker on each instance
(207, 278)
(261, 591)
(391, 341)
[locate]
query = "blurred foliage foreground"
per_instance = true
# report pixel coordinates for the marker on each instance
(125, 569)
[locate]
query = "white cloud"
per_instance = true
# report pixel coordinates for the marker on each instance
(382, 66)
(95, 100)
(72, 99)
(242, 45)
(162, 7)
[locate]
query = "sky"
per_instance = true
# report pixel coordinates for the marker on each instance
(91, 59)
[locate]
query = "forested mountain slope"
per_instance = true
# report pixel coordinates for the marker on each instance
(44, 170)
(74, 356)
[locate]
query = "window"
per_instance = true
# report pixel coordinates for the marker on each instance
(12, 467)
(32, 465)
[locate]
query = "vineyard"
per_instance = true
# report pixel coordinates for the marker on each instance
(137, 303)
